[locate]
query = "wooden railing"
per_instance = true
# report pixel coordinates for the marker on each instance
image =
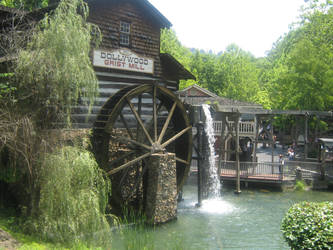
(245, 128)
(272, 171)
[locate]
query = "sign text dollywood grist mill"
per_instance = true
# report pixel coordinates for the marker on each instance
(123, 59)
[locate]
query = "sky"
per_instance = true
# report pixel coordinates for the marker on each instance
(253, 25)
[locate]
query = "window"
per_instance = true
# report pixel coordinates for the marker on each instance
(125, 30)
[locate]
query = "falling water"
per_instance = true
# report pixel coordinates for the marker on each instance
(214, 180)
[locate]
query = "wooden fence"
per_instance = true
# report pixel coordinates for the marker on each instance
(245, 128)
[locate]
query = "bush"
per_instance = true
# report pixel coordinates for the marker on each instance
(300, 185)
(309, 225)
(73, 197)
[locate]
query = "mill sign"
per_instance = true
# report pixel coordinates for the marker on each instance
(123, 59)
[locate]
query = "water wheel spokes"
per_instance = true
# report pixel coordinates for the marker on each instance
(130, 163)
(135, 123)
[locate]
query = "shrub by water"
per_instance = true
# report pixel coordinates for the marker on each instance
(73, 197)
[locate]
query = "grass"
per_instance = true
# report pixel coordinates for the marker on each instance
(131, 233)
(9, 222)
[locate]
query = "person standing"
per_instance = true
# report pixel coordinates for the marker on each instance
(281, 161)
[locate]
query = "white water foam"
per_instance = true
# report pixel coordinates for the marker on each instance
(216, 206)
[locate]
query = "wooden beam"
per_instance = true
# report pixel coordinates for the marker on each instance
(238, 191)
(255, 147)
(166, 124)
(130, 163)
(222, 149)
(306, 121)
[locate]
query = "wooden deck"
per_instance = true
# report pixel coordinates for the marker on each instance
(264, 178)
(268, 172)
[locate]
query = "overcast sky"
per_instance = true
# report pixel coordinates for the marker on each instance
(254, 25)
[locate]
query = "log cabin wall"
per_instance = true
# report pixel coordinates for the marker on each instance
(144, 41)
(144, 31)
(145, 23)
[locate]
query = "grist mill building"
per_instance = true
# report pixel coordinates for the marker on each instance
(130, 51)
(137, 121)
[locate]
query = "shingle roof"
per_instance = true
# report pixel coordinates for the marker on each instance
(212, 98)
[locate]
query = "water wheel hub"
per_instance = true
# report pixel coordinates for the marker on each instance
(157, 148)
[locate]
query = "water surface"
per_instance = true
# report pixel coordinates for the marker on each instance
(250, 220)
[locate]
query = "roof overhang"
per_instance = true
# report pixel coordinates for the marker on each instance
(271, 112)
(164, 22)
(198, 88)
(174, 69)
(327, 141)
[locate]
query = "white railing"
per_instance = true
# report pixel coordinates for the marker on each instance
(245, 128)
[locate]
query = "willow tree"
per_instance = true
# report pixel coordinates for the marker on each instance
(54, 71)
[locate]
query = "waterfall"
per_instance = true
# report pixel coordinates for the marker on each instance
(214, 185)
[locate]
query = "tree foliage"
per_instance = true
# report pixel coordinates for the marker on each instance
(73, 197)
(296, 74)
(238, 75)
(300, 71)
(233, 73)
(25, 4)
(55, 69)
(171, 45)
(52, 72)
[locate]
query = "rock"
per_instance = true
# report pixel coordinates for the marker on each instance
(7, 241)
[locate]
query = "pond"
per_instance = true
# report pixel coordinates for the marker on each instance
(250, 220)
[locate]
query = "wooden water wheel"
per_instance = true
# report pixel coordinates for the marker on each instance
(133, 124)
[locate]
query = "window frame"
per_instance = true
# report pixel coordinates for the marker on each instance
(124, 33)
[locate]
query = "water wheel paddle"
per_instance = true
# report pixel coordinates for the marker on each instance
(133, 124)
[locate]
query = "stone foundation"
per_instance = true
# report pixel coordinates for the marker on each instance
(161, 204)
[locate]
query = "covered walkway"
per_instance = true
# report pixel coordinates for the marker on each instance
(257, 170)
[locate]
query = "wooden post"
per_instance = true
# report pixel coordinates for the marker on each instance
(272, 138)
(306, 118)
(316, 128)
(222, 145)
(200, 152)
(237, 191)
(254, 153)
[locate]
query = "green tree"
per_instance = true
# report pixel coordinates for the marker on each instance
(233, 73)
(25, 4)
(237, 75)
(299, 73)
(171, 45)
(55, 70)
(73, 197)
(204, 65)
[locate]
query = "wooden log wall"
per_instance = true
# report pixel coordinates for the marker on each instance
(109, 84)
(144, 35)
(144, 41)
